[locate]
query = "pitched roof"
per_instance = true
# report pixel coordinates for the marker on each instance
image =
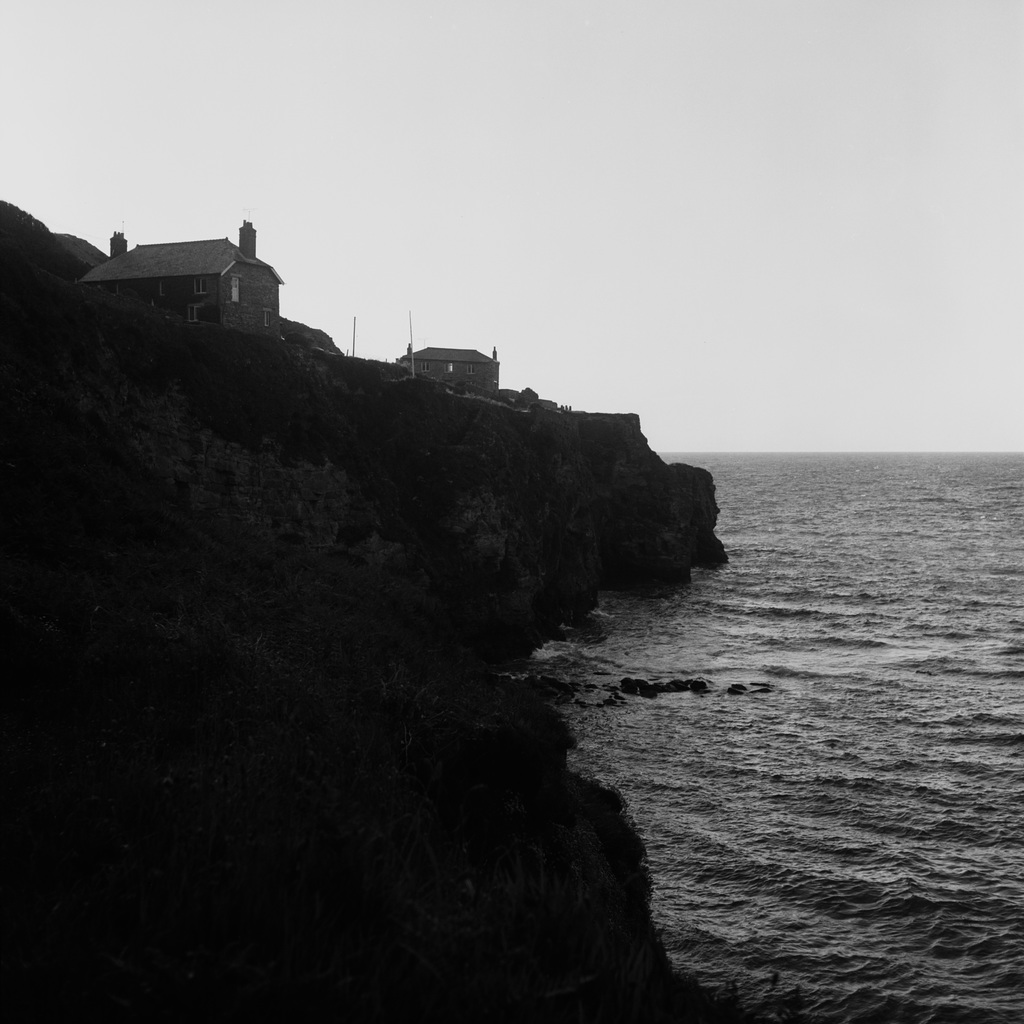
(174, 259)
(451, 355)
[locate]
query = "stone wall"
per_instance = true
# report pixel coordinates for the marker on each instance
(483, 376)
(258, 294)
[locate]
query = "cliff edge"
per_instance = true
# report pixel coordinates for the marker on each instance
(513, 519)
(252, 771)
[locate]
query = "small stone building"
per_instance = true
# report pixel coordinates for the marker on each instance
(209, 281)
(454, 365)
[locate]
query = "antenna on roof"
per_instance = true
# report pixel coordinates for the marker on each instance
(247, 211)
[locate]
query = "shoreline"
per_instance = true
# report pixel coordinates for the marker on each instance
(247, 771)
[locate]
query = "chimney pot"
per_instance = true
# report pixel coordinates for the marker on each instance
(118, 244)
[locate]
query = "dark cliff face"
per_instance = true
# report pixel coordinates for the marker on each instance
(512, 519)
(229, 572)
(654, 521)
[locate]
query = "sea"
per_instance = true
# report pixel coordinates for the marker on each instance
(855, 830)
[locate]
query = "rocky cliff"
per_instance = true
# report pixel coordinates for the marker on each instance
(654, 520)
(251, 770)
(512, 518)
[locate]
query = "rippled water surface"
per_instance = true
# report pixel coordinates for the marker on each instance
(859, 829)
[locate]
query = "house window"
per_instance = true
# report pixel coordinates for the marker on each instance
(424, 366)
(160, 288)
(449, 367)
(199, 285)
(266, 318)
(193, 314)
(235, 286)
(471, 368)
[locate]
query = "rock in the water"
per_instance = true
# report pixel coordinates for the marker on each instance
(554, 683)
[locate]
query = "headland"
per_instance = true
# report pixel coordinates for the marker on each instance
(257, 762)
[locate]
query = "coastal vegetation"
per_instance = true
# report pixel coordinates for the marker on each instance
(246, 778)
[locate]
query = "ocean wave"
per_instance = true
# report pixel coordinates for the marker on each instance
(965, 669)
(783, 612)
(854, 641)
(982, 717)
(1006, 570)
(999, 739)
(785, 672)
(858, 831)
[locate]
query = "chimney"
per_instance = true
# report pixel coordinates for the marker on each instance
(247, 239)
(494, 355)
(118, 244)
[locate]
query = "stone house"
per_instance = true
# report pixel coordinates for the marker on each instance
(455, 365)
(209, 281)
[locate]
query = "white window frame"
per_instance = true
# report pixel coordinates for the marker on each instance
(199, 286)
(236, 288)
(193, 313)
(266, 318)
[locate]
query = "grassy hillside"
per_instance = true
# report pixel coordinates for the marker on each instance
(245, 781)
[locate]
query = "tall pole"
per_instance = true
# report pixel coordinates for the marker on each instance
(412, 357)
(353, 335)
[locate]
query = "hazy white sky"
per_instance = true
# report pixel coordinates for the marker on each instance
(760, 224)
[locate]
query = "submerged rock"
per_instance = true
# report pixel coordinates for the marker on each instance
(676, 686)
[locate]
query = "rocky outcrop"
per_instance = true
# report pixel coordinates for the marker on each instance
(512, 518)
(21, 231)
(296, 333)
(654, 521)
(82, 250)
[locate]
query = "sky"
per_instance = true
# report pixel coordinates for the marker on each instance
(762, 225)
